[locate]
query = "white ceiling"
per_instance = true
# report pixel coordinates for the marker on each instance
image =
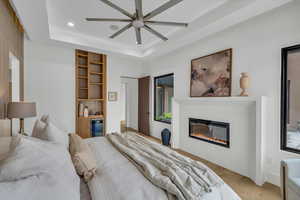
(47, 19)
(62, 11)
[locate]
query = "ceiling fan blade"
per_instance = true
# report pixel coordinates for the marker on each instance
(162, 8)
(121, 30)
(118, 8)
(139, 9)
(166, 23)
(155, 33)
(138, 35)
(107, 20)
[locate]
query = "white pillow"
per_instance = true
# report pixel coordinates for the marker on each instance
(36, 170)
(45, 130)
(4, 147)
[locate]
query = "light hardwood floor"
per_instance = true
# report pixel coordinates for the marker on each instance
(242, 185)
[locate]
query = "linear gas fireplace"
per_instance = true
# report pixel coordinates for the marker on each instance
(210, 131)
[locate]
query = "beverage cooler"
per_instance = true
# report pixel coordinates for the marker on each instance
(97, 127)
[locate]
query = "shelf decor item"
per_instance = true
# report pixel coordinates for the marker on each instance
(86, 111)
(244, 84)
(211, 75)
(112, 96)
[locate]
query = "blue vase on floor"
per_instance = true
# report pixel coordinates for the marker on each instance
(165, 137)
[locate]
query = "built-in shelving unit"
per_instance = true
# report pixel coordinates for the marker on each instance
(90, 91)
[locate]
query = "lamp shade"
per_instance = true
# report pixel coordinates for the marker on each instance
(21, 110)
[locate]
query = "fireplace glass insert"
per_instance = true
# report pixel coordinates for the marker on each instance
(210, 131)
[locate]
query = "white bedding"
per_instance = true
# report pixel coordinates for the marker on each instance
(118, 179)
(38, 170)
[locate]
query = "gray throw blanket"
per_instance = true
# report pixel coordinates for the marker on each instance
(181, 177)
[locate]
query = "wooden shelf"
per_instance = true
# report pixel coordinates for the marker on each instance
(82, 55)
(82, 66)
(90, 90)
(90, 99)
(96, 63)
(92, 117)
(96, 73)
(95, 83)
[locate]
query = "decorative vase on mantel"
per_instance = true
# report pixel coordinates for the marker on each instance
(244, 84)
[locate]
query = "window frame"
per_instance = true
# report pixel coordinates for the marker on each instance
(285, 98)
(154, 100)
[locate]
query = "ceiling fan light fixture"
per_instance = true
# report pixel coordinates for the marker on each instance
(71, 24)
(138, 23)
(138, 20)
(114, 27)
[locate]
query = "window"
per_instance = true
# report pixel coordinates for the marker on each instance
(290, 99)
(163, 94)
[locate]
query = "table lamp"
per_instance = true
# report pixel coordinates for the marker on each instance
(21, 110)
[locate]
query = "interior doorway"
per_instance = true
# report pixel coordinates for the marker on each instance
(123, 101)
(14, 87)
(129, 104)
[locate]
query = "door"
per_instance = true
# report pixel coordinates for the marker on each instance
(144, 84)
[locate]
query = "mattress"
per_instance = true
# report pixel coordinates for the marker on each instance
(117, 178)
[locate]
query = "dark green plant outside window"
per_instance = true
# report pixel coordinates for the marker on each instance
(163, 94)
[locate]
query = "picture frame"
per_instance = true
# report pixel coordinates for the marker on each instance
(211, 75)
(112, 96)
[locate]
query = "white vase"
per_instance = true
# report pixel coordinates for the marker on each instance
(86, 112)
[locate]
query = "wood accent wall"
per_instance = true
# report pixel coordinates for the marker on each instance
(11, 40)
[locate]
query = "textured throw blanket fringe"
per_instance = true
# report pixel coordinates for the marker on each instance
(181, 177)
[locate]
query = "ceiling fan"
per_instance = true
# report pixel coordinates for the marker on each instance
(138, 20)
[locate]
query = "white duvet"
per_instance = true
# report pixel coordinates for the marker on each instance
(38, 170)
(118, 179)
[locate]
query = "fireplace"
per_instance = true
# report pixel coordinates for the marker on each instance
(210, 131)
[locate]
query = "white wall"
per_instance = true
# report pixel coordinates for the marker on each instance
(132, 102)
(241, 116)
(256, 47)
(50, 81)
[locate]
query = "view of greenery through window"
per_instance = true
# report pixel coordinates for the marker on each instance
(164, 92)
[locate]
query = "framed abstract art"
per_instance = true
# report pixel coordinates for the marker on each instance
(211, 75)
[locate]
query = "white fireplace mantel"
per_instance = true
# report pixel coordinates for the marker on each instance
(233, 99)
(256, 106)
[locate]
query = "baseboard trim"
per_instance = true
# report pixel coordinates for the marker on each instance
(273, 178)
(131, 129)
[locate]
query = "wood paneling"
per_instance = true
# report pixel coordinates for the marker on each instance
(11, 40)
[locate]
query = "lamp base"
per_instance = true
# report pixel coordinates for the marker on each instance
(21, 131)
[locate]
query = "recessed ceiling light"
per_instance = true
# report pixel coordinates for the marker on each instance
(114, 27)
(71, 24)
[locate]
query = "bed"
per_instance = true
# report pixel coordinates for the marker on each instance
(36, 165)
(118, 178)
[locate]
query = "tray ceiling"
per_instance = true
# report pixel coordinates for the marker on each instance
(49, 19)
